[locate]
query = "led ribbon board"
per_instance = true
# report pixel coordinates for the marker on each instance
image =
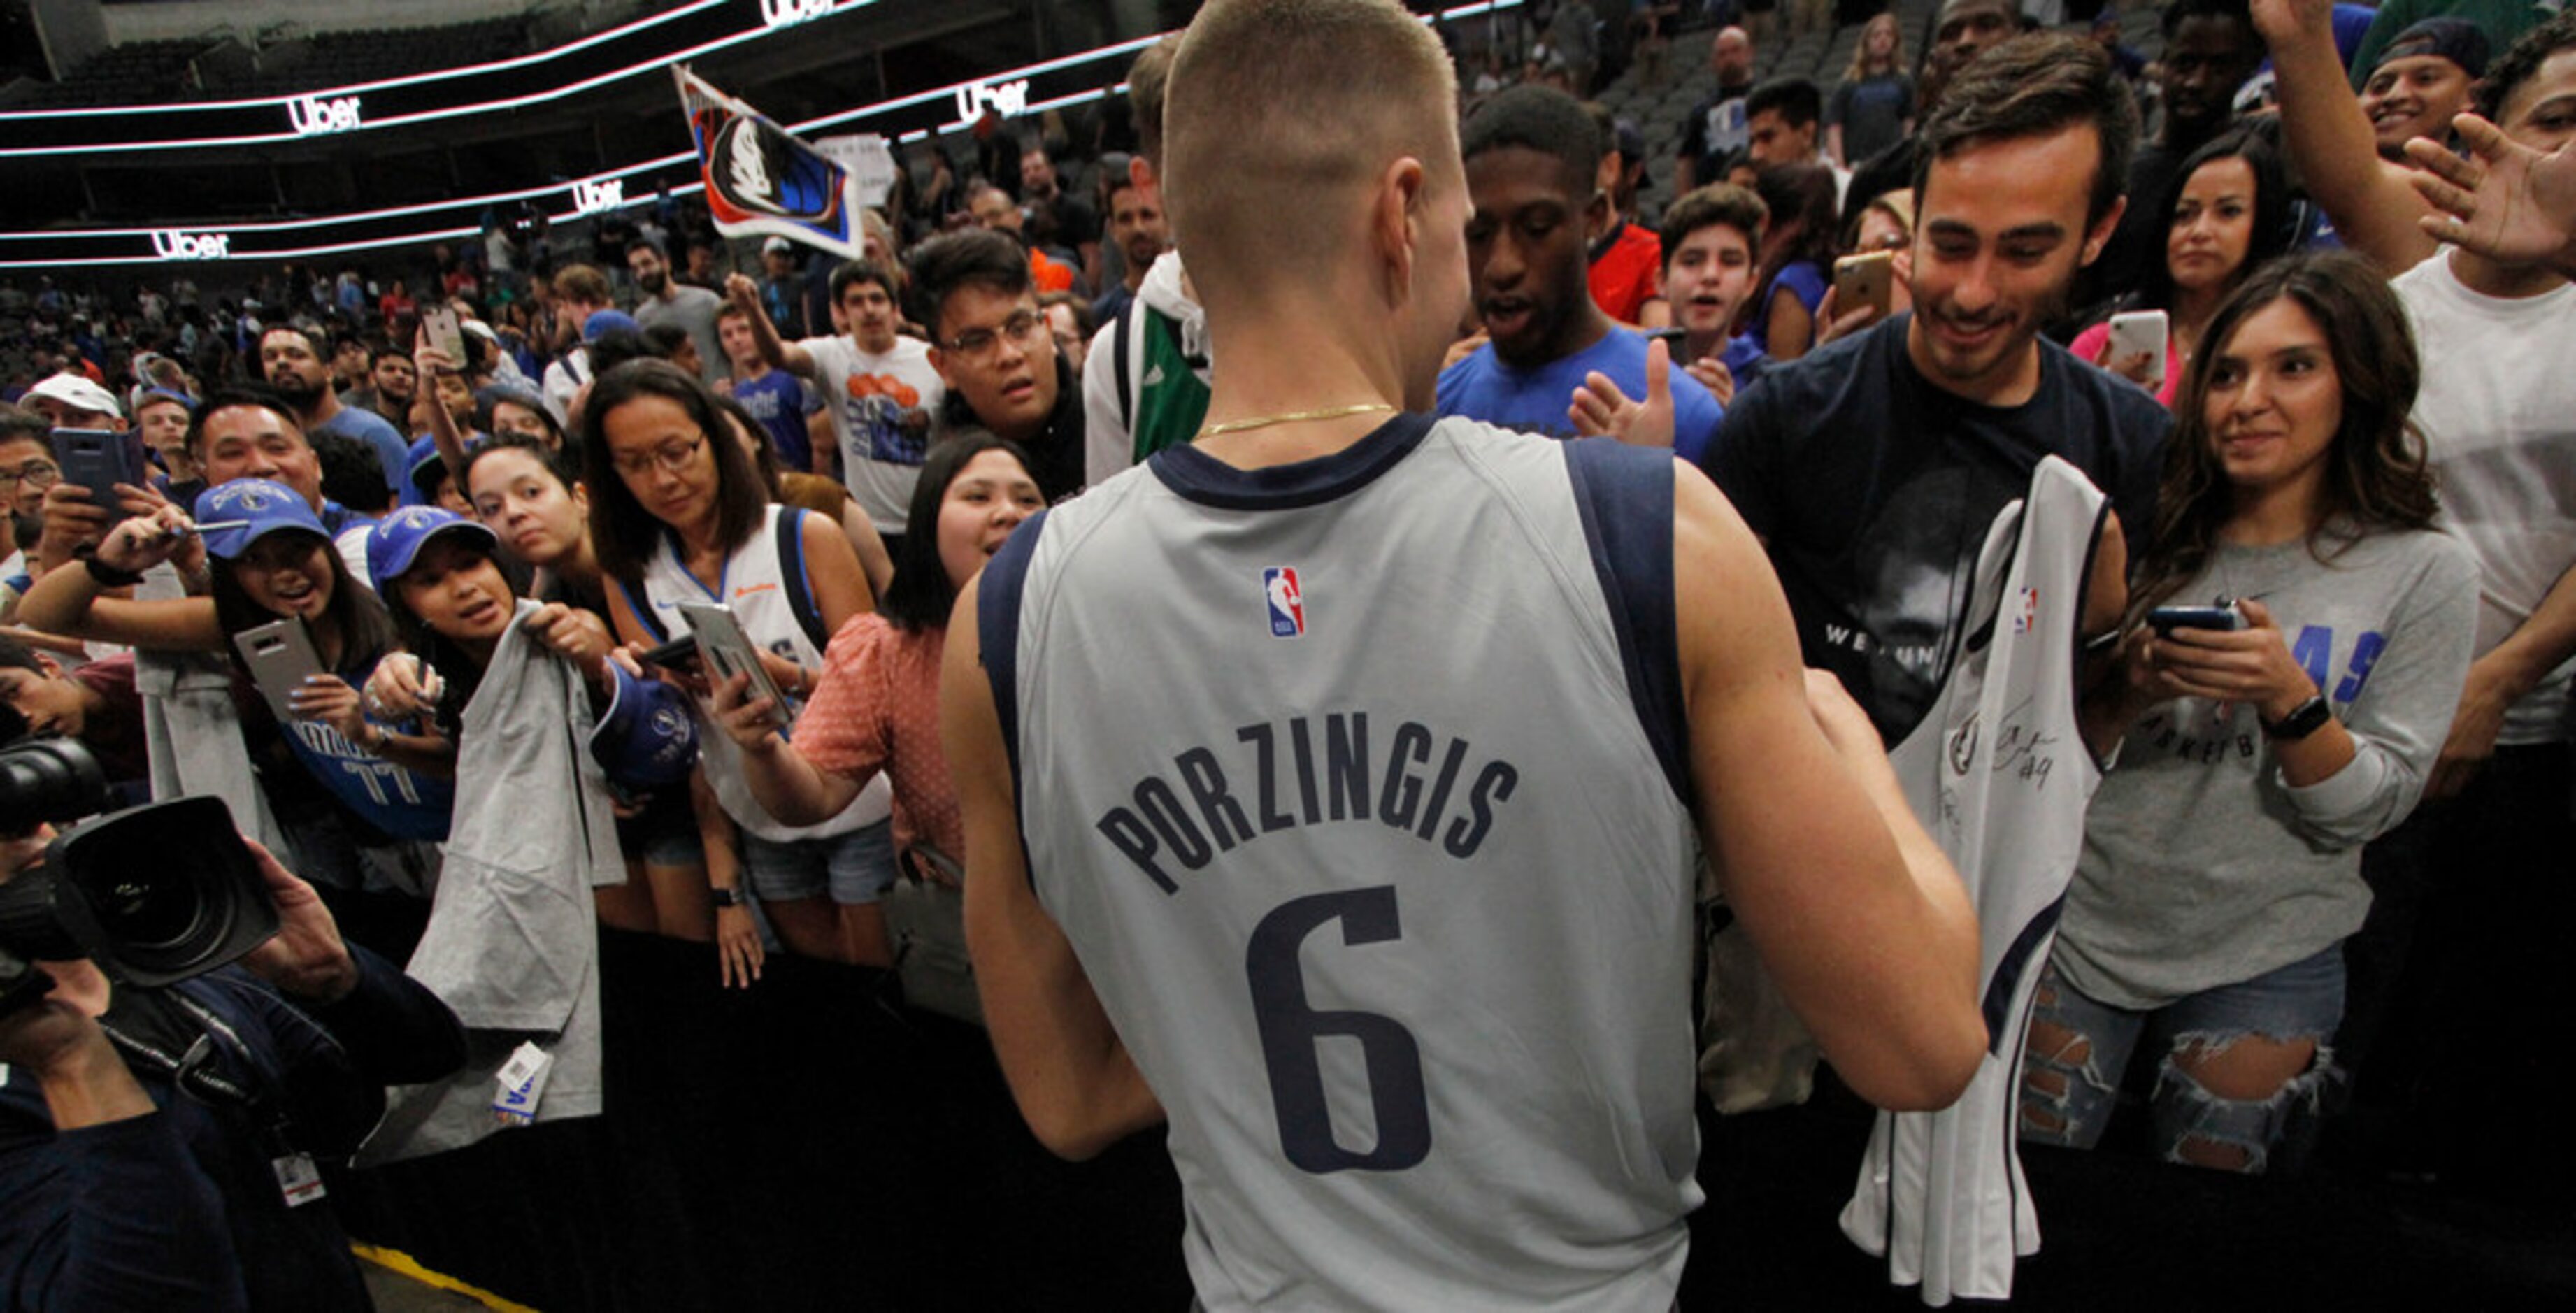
(1052, 84)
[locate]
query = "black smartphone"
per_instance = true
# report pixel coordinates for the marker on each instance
(1672, 338)
(2166, 619)
(679, 654)
(98, 460)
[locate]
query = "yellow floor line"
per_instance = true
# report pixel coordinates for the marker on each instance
(394, 1260)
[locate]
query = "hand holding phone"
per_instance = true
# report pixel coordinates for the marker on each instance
(1865, 279)
(97, 460)
(2141, 332)
(439, 328)
(2221, 615)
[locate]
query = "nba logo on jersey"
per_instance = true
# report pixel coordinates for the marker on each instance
(2029, 611)
(1287, 601)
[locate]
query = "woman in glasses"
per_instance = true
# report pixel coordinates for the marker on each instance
(679, 516)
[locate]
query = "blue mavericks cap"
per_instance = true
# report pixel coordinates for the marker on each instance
(234, 515)
(647, 739)
(154, 396)
(398, 538)
(605, 321)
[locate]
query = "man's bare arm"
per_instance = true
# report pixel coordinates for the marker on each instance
(2329, 138)
(778, 351)
(1854, 908)
(1072, 1076)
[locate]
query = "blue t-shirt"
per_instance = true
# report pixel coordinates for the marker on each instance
(777, 400)
(1482, 387)
(1805, 278)
(370, 428)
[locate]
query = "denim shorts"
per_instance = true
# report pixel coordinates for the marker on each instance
(852, 868)
(2300, 1001)
(665, 833)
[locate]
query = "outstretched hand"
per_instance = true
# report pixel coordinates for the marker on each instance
(2504, 200)
(1600, 408)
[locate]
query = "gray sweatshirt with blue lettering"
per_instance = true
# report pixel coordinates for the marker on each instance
(2202, 867)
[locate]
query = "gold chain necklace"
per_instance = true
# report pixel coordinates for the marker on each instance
(1294, 417)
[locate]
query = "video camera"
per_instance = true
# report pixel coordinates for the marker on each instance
(153, 894)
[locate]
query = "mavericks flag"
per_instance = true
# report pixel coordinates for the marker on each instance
(762, 182)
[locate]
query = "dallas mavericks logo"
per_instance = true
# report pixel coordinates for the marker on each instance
(1287, 601)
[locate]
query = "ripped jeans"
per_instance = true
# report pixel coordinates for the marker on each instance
(2068, 1090)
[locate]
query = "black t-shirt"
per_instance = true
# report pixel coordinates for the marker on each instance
(1874, 490)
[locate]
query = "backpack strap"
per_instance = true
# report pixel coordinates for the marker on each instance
(800, 586)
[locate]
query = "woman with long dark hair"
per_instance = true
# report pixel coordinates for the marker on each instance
(2227, 214)
(2268, 738)
(679, 515)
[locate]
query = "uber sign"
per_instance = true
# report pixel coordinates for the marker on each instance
(1009, 99)
(593, 197)
(313, 116)
(172, 245)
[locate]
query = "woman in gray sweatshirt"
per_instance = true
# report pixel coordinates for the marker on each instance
(2269, 736)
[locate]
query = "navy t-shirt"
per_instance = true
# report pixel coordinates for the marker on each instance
(1874, 489)
(1482, 387)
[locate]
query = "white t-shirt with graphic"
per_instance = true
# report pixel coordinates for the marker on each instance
(883, 409)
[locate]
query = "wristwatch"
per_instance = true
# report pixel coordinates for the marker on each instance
(2305, 719)
(729, 897)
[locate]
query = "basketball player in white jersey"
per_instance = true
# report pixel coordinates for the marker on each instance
(1360, 761)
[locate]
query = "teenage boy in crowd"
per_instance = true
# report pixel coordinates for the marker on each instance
(785, 405)
(1533, 163)
(1712, 238)
(992, 347)
(879, 387)
(1534, 1147)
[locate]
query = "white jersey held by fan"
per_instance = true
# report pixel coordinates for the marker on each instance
(1999, 773)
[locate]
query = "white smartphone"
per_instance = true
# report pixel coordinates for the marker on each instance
(725, 651)
(439, 328)
(280, 655)
(2133, 331)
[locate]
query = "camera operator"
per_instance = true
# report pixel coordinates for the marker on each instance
(157, 1146)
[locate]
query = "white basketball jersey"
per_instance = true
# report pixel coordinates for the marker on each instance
(1998, 772)
(1357, 786)
(755, 585)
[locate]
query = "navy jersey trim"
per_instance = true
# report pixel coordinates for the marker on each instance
(1204, 479)
(1625, 496)
(997, 626)
(2017, 959)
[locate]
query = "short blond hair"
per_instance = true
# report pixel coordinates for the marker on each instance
(1275, 106)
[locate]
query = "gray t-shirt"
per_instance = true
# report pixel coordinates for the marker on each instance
(2201, 866)
(694, 309)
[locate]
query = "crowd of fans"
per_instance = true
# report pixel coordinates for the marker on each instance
(485, 492)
